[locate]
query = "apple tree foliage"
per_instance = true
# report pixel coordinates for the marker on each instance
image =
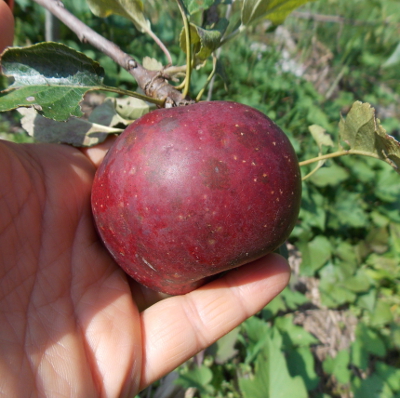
(349, 226)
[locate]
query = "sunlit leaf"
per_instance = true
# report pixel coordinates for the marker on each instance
(256, 331)
(338, 366)
(314, 254)
(382, 314)
(321, 137)
(332, 175)
(194, 6)
(50, 77)
(224, 348)
(199, 377)
(293, 299)
(395, 236)
(151, 64)
(293, 335)
(271, 376)
(394, 58)
(334, 295)
(346, 252)
(348, 210)
(276, 305)
(274, 10)
(362, 131)
(132, 108)
(131, 9)
(360, 282)
(372, 387)
(367, 301)
(370, 341)
(390, 374)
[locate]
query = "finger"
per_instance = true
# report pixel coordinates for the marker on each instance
(96, 153)
(6, 26)
(177, 328)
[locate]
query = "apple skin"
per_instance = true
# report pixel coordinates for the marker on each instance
(189, 192)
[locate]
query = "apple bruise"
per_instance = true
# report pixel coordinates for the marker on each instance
(189, 192)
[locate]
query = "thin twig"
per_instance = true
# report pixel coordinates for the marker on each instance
(153, 83)
(161, 45)
(86, 34)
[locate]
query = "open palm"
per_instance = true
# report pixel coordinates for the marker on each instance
(72, 324)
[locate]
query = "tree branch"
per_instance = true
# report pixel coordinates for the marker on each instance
(153, 83)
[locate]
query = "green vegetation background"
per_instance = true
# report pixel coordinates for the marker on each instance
(335, 331)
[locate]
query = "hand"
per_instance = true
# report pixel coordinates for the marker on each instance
(72, 323)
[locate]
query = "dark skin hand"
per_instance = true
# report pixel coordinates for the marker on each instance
(72, 323)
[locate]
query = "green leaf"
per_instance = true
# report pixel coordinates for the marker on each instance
(313, 204)
(293, 335)
(194, 6)
(271, 377)
(332, 292)
(256, 331)
(77, 132)
(382, 314)
(333, 295)
(367, 301)
(274, 10)
(367, 342)
(293, 299)
(199, 377)
(321, 137)
(383, 267)
(348, 210)
(50, 77)
(346, 252)
(131, 9)
(364, 134)
(151, 63)
(360, 282)
(372, 387)
(395, 236)
(301, 363)
(314, 254)
(224, 348)
(395, 335)
(204, 41)
(394, 58)
(359, 356)
(388, 187)
(338, 366)
(131, 108)
(276, 305)
(333, 176)
(377, 240)
(390, 374)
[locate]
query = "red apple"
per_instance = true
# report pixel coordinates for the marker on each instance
(189, 192)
